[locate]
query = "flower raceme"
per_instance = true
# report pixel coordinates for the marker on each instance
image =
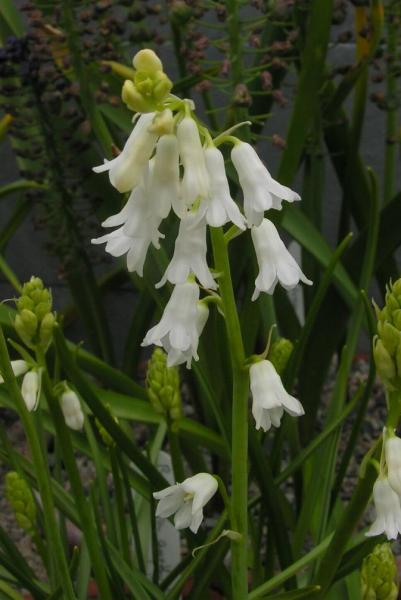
(186, 500)
(170, 161)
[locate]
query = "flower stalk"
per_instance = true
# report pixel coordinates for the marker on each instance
(239, 500)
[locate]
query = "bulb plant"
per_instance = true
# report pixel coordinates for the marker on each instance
(217, 474)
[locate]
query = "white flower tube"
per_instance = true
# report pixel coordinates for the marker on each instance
(388, 510)
(177, 330)
(189, 254)
(178, 357)
(186, 500)
(392, 449)
(274, 260)
(269, 397)
(19, 367)
(126, 170)
(220, 207)
(195, 183)
(261, 191)
(164, 180)
(72, 411)
(139, 228)
(30, 389)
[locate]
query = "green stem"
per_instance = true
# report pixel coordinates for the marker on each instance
(87, 521)
(175, 451)
(239, 504)
(42, 477)
(121, 517)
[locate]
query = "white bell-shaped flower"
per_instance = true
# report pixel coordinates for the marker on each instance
(269, 397)
(274, 260)
(189, 254)
(177, 330)
(138, 229)
(195, 182)
(164, 179)
(19, 367)
(392, 449)
(388, 510)
(30, 389)
(186, 500)
(261, 191)
(72, 411)
(220, 207)
(178, 357)
(126, 170)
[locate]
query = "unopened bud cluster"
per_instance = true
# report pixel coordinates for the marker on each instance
(34, 321)
(379, 575)
(163, 384)
(150, 85)
(20, 497)
(387, 343)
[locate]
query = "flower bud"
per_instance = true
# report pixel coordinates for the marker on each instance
(161, 86)
(26, 324)
(72, 411)
(30, 389)
(279, 354)
(379, 574)
(46, 330)
(147, 60)
(133, 99)
(163, 385)
(163, 123)
(384, 363)
(19, 495)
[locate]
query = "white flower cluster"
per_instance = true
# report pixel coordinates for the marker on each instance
(387, 492)
(169, 162)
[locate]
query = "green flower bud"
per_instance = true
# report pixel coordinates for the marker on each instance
(133, 99)
(279, 354)
(46, 330)
(162, 86)
(19, 495)
(163, 385)
(26, 324)
(379, 575)
(384, 363)
(147, 60)
(390, 337)
(397, 319)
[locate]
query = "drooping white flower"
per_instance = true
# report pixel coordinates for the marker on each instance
(178, 357)
(261, 191)
(274, 260)
(220, 207)
(164, 178)
(269, 397)
(126, 170)
(388, 510)
(190, 254)
(392, 449)
(186, 500)
(30, 389)
(19, 367)
(195, 182)
(72, 411)
(177, 330)
(138, 229)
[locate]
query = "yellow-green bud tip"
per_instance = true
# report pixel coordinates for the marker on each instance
(147, 60)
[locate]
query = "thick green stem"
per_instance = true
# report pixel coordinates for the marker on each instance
(42, 477)
(239, 521)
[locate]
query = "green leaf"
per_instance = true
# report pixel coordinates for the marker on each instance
(12, 16)
(306, 592)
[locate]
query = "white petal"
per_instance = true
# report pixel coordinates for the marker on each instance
(183, 516)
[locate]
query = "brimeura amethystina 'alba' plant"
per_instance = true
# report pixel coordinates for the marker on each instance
(171, 162)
